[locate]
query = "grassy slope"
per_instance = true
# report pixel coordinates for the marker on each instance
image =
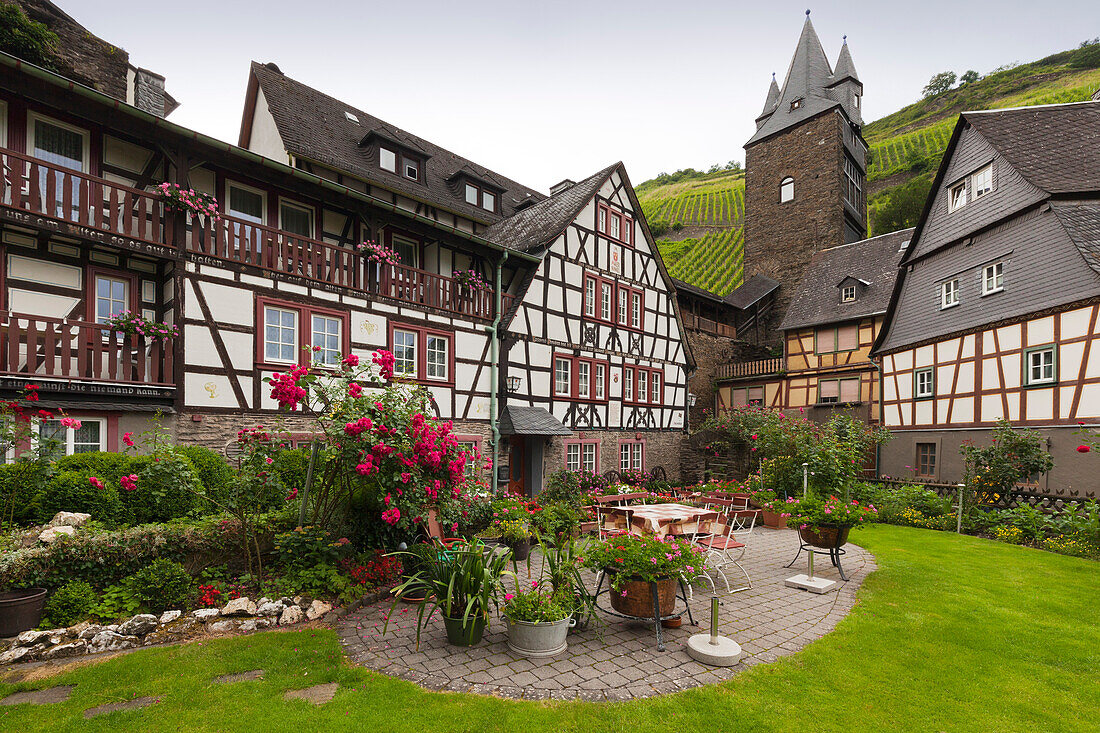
(904, 145)
(951, 633)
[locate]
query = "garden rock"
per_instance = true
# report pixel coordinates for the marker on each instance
(34, 638)
(317, 609)
(239, 607)
(68, 519)
(169, 616)
(71, 649)
(49, 536)
(271, 608)
(139, 625)
(253, 624)
(205, 614)
(222, 627)
(287, 601)
(110, 641)
(91, 631)
(16, 654)
(291, 615)
(173, 631)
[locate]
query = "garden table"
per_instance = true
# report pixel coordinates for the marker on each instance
(659, 520)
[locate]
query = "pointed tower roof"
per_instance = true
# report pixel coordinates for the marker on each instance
(770, 102)
(806, 88)
(845, 69)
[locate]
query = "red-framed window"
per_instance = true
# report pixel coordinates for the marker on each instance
(110, 292)
(583, 455)
(631, 455)
(643, 385)
(471, 446)
(615, 224)
(294, 333)
(423, 354)
(580, 378)
(611, 302)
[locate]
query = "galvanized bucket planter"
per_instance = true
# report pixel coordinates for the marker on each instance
(542, 639)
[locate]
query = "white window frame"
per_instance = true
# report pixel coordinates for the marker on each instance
(590, 287)
(334, 353)
(655, 388)
(628, 384)
(127, 296)
(949, 293)
(976, 192)
(924, 391)
(446, 358)
(251, 189)
(33, 117)
(568, 380)
(636, 309)
(631, 456)
(303, 208)
(993, 278)
(69, 440)
(415, 352)
(786, 190)
(641, 391)
(1029, 366)
(400, 239)
(599, 386)
(584, 380)
(393, 153)
(848, 294)
(294, 342)
(956, 196)
(607, 295)
(3, 123)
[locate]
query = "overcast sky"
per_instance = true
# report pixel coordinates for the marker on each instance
(551, 90)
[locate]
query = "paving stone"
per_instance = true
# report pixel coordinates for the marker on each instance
(254, 674)
(111, 707)
(318, 694)
(48, 696)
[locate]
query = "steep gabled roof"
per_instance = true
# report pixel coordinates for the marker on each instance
(538, 225)
(1055, 147)
(314, 126)
(871, 261)
(1081, 220)
(845, 67)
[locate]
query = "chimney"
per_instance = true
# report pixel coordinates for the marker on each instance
(562, 186)
(149, 92)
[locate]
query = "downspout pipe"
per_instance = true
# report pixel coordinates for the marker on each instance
(493, 330)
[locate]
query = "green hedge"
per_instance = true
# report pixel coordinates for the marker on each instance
(71, 491)
(166, 488)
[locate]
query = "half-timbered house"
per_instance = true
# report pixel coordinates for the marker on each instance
(833, 319)
(994, 315)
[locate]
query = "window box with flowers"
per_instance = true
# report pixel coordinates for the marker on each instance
(189, 201)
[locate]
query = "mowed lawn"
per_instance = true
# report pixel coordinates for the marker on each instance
(950, 634)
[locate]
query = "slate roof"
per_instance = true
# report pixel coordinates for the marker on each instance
(1081, 220)
(541, 223)
(523, 420)
(1056, 147)
(752, 291)
(313, 125)
(809, 78)
(873, 261)
(697, 291)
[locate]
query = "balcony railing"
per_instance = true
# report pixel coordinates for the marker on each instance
(53, 348)
(100, 209)
(759, 368)
(695, 322)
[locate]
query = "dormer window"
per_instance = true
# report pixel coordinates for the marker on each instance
(411, 168)
(786, 190)
(394, 161)
(981, 183)
(855, 101)
(796, 104)
(848, 294)
(477, 196)
(956, 196)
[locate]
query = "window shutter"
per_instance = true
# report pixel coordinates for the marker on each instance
(828, 389)
(847, 338)
(849, 390)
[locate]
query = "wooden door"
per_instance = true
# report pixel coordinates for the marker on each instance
(517, 456)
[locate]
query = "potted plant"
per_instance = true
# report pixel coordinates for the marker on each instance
(635, 564)
(538, 622)
(412, 563)
(826, 523)
(464, 581)
(760, 498)
(516, 534)
(562, 564)
(772, 512)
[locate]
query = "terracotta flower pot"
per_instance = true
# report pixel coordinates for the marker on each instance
(638, 598)
(827, 538)
(773, 520)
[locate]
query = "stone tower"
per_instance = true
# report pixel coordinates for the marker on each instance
(806, 169)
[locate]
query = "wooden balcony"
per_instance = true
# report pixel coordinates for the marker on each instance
(39, 194)
(39, 348)
(760, 368)
(694, 322)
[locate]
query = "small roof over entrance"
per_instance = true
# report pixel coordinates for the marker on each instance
(519, 420)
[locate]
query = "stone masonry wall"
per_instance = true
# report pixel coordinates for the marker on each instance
(661, 449)
(781, 237)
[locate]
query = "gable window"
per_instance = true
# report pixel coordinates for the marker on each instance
(837, 390)
(855, 101)
(624, 305)
(296, 219)
(477, 196)
(422, 353)
(398, 162)
(387, 159)
(605, 301)
(745, 396)
(295, 334)
(635, 310)
(580, 378)
(956, 196)
(786, 190)
(981, 182)
(1041, 366)
(631, 455)
(590, 297)
(656, 395)
(926, 460)
(832, 339)
(615, 224)
(993, 278)
(848, 294)
(411, 168)
(923, 384)
(619, 304)
(628, 384)
(949, 293)
(643, 385)
(582, 455)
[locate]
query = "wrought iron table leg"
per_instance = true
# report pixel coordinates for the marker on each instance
(657, 617)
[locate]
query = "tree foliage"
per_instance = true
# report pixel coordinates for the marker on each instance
(27, 39)
(903, 207)
(939, 83)
(969, 77)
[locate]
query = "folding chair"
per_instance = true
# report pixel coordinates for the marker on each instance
(726, 546)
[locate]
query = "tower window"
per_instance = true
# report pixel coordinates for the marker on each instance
(855, 101)
(786, 190)
(796, 104)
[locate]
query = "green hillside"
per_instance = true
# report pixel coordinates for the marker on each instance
(697, 216)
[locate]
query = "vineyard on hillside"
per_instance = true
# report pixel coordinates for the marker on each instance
(707, 201)
(713, 262)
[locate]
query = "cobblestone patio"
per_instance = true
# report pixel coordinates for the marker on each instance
(768, 621)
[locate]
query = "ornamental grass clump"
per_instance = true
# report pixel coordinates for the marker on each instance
(627, 557)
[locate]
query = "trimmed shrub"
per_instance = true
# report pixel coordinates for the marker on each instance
(166, 488)
(161, 585)
(71, 491)
(291, 466)
(19, 485)
(212, 469)
(104, 465)
(68, 604)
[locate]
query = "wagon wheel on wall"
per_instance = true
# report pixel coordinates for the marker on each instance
(233, 452)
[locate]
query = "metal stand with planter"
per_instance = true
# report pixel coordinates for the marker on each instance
(657, 617)
(830, 539)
